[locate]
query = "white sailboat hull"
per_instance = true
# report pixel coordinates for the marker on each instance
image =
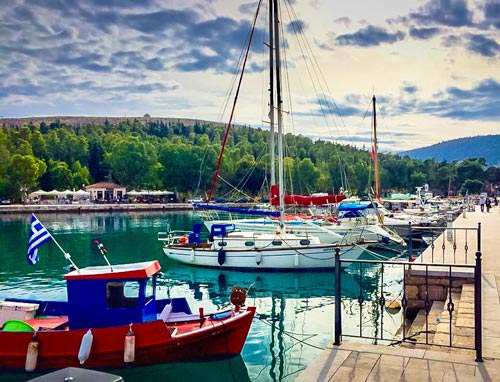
(282, 252)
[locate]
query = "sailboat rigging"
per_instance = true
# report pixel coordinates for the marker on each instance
(375, 149)
(273, 249)
(228, 127)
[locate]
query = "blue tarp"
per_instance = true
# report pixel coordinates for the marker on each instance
(355, 206)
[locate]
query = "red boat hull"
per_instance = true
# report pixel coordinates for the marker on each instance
(153, 343)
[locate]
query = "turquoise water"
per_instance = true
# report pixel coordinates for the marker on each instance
(295, 310)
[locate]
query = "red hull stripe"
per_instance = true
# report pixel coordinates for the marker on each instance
(154, 344)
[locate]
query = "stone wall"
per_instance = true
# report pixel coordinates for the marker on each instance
(437, 285)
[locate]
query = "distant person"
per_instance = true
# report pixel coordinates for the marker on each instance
(488, 204)
(482, 202)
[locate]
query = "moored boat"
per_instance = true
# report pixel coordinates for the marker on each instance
(112, 318)
(260, 249)
(228, 248)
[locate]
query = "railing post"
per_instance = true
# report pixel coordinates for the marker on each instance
(449, 225)
(478, 333)
(479, 237)
(410, 239)
(338, 305)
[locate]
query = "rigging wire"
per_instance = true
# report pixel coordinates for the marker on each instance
(200, 172)
(370, 167)
(214, 179)
(315, 68)
(316, 76)
(237, 71)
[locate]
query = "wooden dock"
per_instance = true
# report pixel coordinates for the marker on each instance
(356, 362)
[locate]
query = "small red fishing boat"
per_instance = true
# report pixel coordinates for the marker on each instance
(112, 318)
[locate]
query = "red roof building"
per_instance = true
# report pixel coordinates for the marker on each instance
(106, 191)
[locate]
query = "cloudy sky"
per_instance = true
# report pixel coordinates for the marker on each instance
(434, 65)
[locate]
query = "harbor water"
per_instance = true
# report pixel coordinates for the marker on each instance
(295, 310)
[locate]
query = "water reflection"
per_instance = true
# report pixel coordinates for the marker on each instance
(295, 311)
(228, 370)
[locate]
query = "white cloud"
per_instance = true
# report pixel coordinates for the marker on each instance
(177, 59)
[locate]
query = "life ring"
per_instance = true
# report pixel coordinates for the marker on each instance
(183, 239)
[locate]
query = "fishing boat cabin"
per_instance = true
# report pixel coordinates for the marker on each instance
(103, 296)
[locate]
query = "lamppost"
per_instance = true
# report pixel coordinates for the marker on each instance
(23, 194)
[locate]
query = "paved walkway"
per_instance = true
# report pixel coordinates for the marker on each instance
(369, 363)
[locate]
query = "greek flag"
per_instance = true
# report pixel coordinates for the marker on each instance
(38, 236)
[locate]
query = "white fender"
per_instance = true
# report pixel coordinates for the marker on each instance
(258, 257)
(192, 255)
(129, 350)
(296, 259)
(85, 347)
(165, 313)
(31, 355)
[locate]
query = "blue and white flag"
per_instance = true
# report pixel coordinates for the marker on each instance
(38, 236)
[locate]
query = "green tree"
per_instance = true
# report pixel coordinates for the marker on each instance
(60, 175)
(307, 176)
(80, 174)
(472, 186)
(132, 162)
(24, 172)
(470, 169)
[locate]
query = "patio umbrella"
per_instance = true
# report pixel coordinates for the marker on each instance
(38, 193)
(81, 194)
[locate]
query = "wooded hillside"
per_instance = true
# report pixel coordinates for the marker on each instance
(181, 155)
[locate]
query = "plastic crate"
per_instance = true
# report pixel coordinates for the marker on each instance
(10, 310)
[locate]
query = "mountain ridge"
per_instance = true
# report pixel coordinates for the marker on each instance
(480, 146)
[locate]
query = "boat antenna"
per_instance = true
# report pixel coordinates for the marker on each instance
(228, 127)
(103, 251)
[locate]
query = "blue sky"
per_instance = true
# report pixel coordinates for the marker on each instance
(434, 65)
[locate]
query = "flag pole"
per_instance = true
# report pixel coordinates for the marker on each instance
(66, 254)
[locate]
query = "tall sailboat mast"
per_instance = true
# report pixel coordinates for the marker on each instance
(279, 102)
(375, 148)
(272, 147)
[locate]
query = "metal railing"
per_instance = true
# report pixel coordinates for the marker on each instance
(379, 301)
(442, 238)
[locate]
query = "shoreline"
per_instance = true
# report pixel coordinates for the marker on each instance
(83, 208)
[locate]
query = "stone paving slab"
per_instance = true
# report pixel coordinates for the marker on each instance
(352, 362)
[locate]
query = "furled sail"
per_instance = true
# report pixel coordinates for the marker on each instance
(302, 200)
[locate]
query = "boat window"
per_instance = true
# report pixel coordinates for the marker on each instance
(249, 243)
(222, 243)
(149, 288)
(305, 242)
(121, 294)
(277, 242)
